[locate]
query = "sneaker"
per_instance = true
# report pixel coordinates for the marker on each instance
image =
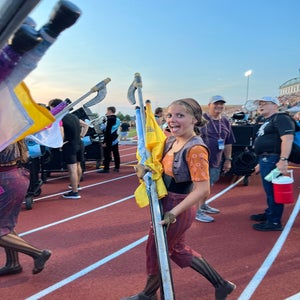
(116, 170)
(209, 210)
(141, 296)
(78, 187)
(71, 195)
(268, 226)
(98, 164)
(102, 171)
(223, 291)
(202, 217)
(259, 217)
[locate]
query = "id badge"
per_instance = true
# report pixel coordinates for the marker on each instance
(221, 144)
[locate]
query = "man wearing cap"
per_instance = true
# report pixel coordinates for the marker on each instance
(218, 137)
(273, 145)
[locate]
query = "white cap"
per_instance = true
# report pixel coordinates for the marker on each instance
(268, 99)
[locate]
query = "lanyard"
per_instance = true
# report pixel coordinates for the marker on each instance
(214, 126)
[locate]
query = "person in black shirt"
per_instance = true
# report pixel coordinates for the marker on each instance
(73, 149)
(124, 130)
(110, 141)
(272, 145)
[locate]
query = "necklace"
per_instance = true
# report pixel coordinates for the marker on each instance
(177, 145)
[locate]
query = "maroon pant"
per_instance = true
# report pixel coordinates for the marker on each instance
(179, 252)
(14, 184)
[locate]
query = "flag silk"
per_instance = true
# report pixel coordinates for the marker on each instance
(150, 154)
(14, 119)
(40, 115)
(51, 136)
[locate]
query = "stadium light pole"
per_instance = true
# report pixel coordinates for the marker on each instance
(247, 74)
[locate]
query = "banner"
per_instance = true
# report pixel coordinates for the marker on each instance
(14, 120)
(40, 115)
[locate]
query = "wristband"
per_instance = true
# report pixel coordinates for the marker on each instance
(228, 158)
(283, 158)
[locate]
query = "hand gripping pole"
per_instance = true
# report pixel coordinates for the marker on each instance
(167, 291)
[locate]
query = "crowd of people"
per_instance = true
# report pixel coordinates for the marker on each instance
(197, 151)
(198, 144)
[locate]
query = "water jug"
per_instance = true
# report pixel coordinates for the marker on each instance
(283, 189)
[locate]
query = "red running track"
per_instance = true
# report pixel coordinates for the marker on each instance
(98, 242)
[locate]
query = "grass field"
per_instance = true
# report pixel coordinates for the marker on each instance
(132, 132)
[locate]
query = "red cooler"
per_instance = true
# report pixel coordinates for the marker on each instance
(283, 189)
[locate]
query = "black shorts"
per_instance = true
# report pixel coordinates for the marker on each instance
(73, 153)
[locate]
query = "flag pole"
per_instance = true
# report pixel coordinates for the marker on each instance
(100, 88)
(167, 290)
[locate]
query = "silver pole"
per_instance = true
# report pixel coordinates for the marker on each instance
(156, 215)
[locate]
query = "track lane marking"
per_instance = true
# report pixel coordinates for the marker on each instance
(84, 187)
(92, 267)
(246, 294)
(264, 268)
(294, 297)
(85, 172)
(76, 216)
(85, 271)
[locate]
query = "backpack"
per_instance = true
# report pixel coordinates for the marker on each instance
(295, 153)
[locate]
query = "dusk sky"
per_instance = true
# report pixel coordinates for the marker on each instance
(191, 48)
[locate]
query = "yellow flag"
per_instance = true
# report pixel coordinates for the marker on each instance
(40, 115)
(14, 120)
(154, 143)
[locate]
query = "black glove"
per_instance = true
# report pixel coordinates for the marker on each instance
(141, 170)
(24, 39)
(168, 219)
(64, 15)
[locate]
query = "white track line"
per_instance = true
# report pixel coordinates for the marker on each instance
(246, 294)
(294, 297)
(85, 187)
(262, 271)
(225, 190)
(92, 267)
(85, 271)
(77, 216)
(85, 172)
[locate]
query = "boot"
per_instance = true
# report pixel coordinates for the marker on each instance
(13, 242)
(12, 265)
(222, 287)
(149, 292)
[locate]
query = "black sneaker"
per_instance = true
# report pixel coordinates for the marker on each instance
(71, 195)
(103, 171)
(223, 291)
(259, 217)
(268, 226)
(116, 170)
